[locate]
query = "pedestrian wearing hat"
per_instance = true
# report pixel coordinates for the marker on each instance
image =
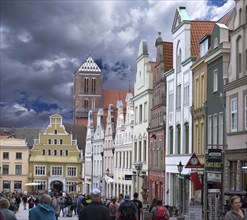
(127, 210)
(95, 210)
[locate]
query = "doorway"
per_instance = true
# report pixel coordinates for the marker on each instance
(57, 186)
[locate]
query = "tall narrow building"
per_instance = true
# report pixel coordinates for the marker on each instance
(87, 91)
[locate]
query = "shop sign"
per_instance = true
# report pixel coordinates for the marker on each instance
(214, 155)
(214, 177)
(128, 177)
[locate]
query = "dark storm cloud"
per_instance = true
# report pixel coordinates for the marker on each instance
(44, 42)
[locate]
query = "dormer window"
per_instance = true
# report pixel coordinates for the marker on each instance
(203, 48)
(216, 43)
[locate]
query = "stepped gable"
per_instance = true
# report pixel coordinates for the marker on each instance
(89, 66)
(198, 30)
(168, 55)
(78, 133)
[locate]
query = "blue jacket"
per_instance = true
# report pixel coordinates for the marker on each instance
(41, 212)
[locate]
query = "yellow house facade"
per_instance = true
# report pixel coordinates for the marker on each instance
(55, 160)
(14, 155)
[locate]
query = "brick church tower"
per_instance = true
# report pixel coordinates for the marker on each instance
(87, 91)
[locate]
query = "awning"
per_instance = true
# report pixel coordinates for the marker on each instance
(33, 184)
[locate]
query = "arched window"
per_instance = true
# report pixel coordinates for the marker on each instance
(240, 17)
(86, 85)
(86, 103)
(93, 85)
(93, 104)
(186, 138)
(216, 43)
(178, 58)
(239, 55)
(55, 141)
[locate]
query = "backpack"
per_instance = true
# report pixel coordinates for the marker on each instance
(160, 213)
(113, 209)
(128, 212)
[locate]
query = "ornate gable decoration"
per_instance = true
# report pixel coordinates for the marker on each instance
(89, 66)
(181, 15)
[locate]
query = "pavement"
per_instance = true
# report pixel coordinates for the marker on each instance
(23, 215)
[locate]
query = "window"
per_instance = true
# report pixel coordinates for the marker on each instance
(71, 171)
(171, 139)
(144, 150)
(86, 85)
(239, 55)
(179, 54)
(215, 83)
(93, 85)
(186, 138)
(86, 103)
(221, 126)
(93, 104)
(5, 155)
(61, 141)
(55, 141)
(210, 130)
(196, 139)
(178, 139)
(196, 94)
(6, 185)
(245, 111)
(234, 114)
(17, 186)
(71, 186)
(43, 152)
(140, 151)
(40, 171)
(178, 98)
(5, 169)
(215, 42)
(171, 97)
(140, 113)
(49, 141)
(55, 152)
(215, 128)
(41, 186)
(18, 169)
(135, 151)
(55, 131)
(136, 111)
(49, 152)
(201, 150)
(186, 95)
(203, 92)
(203, 48)
(61, 152)
(57, 171)
(145, 111)
(240, 17)
(18, 155)
(66, 152)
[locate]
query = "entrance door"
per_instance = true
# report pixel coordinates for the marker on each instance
(57, 186)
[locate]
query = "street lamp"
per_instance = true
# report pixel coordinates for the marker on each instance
(180, 167)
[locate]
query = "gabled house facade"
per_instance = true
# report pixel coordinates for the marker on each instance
(142, 104)
(186, 34)
(55, 160)
(156, 129)
(235, 178)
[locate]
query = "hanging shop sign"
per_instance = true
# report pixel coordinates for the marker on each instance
(214, 155)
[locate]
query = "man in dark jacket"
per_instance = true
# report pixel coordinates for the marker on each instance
(95, 210)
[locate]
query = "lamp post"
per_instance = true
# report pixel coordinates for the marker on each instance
(180, 167)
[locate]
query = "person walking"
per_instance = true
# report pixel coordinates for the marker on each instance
(43, 210)
(55, 205)
(127, 210)
(236, 212)
(138, 204)
(160, 212)
(113, 209)
(95, 210)
(4, 207)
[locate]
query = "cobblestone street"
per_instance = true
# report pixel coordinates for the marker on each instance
(23, 215)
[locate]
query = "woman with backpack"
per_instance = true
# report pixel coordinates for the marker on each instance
(113, 209)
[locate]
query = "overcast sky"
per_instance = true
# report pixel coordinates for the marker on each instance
(44, 42)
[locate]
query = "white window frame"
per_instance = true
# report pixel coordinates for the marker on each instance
(39, 170)
(234, 114)
(221, 128)
(215, 80)
(210, 129)
(71, 171)
(56, 170)
(215, 129)
(186, 95)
